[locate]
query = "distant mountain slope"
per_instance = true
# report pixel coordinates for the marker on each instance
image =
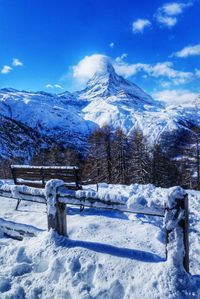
(55, 117)
(18, 140)
(107, 99)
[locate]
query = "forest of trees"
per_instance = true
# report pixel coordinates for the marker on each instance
(116, 158)
(120, 159)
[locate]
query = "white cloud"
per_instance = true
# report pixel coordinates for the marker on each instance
(111, 45)
(49, 85)
(139, 25)
(6, 69)
(173, 8)
(88, 66)
(166, 20)
(176, 96)
(127, 70)
(165, 84)
(58, 86)
(121, 58)
(17, 62)
(167, 15)
(197, 73)
(160, 69)
(165, 69)
(188, 51)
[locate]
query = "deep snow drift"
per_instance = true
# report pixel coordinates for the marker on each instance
(107, 255)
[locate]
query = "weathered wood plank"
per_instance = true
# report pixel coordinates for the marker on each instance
(25, 196)
(99, 204)
(185, 226)
(18, 230)
(37, 176)
(44, 167)
(177, 232)
(31, 184)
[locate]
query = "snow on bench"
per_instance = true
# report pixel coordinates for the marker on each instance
(37, 176)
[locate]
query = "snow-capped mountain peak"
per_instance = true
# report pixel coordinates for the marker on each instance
(107, 83)
(108, 99)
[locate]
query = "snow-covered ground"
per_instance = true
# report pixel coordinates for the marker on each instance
(107, 255)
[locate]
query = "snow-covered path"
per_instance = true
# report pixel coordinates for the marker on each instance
(108, 254)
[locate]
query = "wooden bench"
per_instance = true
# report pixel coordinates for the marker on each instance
(37, 176)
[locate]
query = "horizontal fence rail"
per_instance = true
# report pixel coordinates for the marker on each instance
(98, 201)
(18, 230)
(76, 198)
(23, 193)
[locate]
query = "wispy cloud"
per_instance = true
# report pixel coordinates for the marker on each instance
(188, 51)
(139, 25)
(88, 66)
(17, 62)
(160, 69)
(111, 45)
(167, 15)
(175, 96)
(6, 69)
(51, 86)
(58, 86)
(121, 58)
(197, 73)
(48, 86)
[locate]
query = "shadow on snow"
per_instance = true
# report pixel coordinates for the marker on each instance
(123, 252)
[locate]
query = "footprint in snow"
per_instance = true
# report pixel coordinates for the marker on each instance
(75, 266)
(40, 265)
(21, 269)
(116, 291)
(5, 285)
(83, 275)
(56, 269)
(22, 257)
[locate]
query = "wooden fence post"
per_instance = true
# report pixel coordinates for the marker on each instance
(56, 211)
(61, 218)
(185, 225)
(177, 231)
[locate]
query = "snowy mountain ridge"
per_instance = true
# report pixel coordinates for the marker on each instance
(107, 99)
(107, 83)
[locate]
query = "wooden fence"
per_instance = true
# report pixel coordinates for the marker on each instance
(56, 196)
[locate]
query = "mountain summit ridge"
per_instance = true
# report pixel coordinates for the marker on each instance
(106, 83)
(108, 99)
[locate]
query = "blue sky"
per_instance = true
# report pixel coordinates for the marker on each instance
(156, 44)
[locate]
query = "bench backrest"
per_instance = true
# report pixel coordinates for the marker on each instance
(37, 176)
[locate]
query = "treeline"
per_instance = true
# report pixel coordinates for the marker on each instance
(120, 159)
(116, 158)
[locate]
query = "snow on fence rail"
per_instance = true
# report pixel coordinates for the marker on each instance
(57, 196)
(17, 230)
